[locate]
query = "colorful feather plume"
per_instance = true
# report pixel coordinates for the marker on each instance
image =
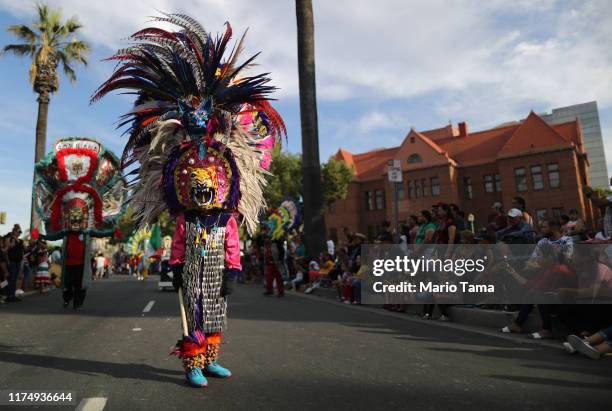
(167, 70)
(190, 345)
(192, 92)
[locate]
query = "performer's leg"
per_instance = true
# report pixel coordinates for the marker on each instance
(192, 352)
(79, 291)
(68, 284)
(191, 349)
(269, 280)
(212, 354)
(280, 285)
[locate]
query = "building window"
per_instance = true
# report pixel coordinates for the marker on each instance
(419, 189)
(414, 158)
(488, 183)
(369, 200)
(411, 189)
(412, 140)
(554, 180)
(497, 183)
(557, 212)
(401, 193)
(541, 215)
(435, 186)
(380, 200)
(467, 182)
(521, 179)
(425, 188)
(536, 177)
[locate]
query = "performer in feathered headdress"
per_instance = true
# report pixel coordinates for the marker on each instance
(79, 194)
(279, 223)
(202, 134)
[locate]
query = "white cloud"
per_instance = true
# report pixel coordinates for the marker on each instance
(400, 49)
(485, 62)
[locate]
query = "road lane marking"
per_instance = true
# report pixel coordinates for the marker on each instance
(92, 404)
(148, 306)
(136, 329)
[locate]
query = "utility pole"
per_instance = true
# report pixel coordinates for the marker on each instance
(395, 177)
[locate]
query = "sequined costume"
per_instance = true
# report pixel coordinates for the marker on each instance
(201, 134)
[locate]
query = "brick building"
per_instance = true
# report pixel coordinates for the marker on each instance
(545, 164)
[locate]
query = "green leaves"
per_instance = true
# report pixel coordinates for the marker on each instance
(19, 49)
(336, 177)
(23, 32)
(286, 180)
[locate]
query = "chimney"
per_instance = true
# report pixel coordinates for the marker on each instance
(463, 129)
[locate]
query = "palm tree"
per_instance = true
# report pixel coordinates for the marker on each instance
(314, 222)
(49, 42)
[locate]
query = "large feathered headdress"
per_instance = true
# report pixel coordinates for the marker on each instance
(192, 98)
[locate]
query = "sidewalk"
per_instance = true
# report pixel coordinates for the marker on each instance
(477, 320)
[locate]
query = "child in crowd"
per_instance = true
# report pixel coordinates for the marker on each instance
(314, 272)
(42, 278)
(343, 283)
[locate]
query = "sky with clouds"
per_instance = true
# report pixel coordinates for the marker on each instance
(382, 67)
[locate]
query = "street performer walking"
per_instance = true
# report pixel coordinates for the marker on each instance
(202, 135)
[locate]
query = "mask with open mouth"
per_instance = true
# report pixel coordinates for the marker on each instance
(202, 179)
(76, 214)
(204, 185)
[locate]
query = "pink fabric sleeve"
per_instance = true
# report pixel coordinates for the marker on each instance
(177, 251)
(232, 245)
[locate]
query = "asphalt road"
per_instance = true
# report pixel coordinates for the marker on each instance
(293, 353)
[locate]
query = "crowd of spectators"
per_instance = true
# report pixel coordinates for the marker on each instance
(26, 266)
(449, 228)
(30, 264)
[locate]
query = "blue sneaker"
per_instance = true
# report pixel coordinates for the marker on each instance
(195, 378)
(216, 370)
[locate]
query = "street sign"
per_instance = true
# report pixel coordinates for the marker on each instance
(2, 217)
(394, 171)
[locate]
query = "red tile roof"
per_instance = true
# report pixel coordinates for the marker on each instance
(372, 164)
(430, 143)
(534, 134)
(481, 147)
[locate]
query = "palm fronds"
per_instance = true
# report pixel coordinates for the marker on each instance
(49, 42)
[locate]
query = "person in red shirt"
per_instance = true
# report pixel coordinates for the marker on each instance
(73, 270)
(76, 268)
(272, 261)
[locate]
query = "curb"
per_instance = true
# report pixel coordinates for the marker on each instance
(475, 320)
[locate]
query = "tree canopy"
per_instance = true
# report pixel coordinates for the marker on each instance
(49, 42)
(286, 180)
(336, 177)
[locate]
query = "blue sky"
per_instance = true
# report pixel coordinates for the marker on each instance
(382, 67)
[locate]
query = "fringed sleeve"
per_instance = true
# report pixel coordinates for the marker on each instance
(177, 252)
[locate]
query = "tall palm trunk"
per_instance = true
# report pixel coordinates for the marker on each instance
(314, 223)
(41, 143)
(45, 83)
(41, 125)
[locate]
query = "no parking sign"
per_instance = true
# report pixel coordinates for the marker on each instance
(394, 171)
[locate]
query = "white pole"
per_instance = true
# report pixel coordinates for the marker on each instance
(183, 315)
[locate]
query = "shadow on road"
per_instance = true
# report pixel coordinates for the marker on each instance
(10, 354)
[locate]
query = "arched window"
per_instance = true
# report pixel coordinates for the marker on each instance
(414, 158)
